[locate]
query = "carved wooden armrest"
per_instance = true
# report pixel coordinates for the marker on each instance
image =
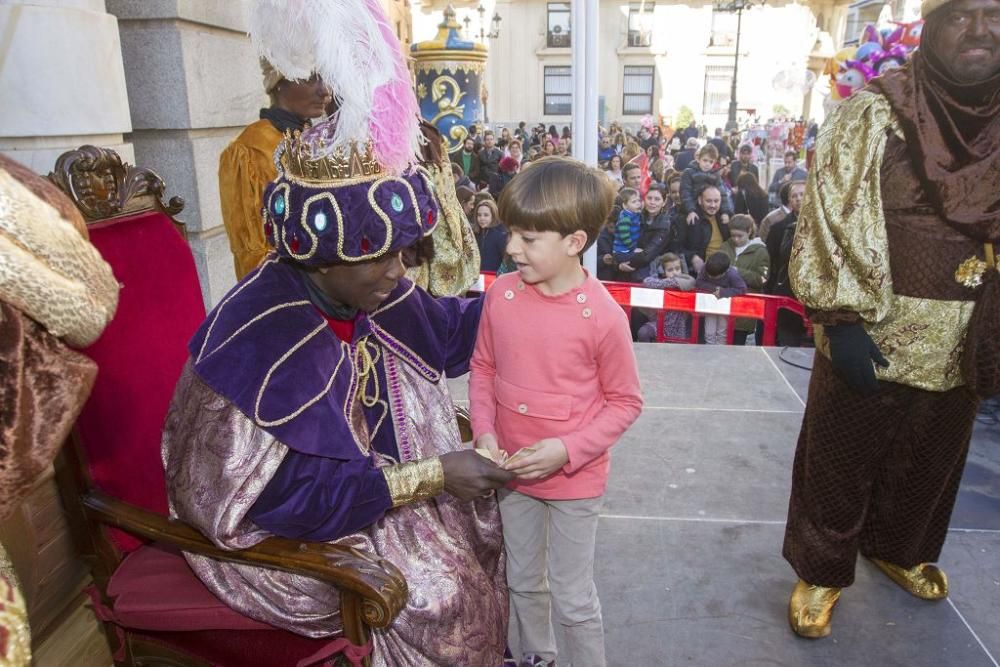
(376, 580)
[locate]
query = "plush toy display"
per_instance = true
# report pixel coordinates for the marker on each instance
(878, 51)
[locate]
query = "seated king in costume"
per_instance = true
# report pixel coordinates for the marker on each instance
(315, 405)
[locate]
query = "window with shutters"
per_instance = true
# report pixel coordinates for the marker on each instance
(558, 91)
(637, 87)
(718, 84)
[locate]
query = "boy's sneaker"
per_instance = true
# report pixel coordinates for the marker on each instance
(532, 660)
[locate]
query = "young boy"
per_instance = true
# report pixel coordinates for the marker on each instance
(724, 281)
(749, 256)
(554, 385)
(674, 277)
(700, 174)
(629, 225)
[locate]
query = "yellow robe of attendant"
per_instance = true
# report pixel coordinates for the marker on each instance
(245, 169)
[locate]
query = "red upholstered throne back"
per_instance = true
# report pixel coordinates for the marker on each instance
(139, 358)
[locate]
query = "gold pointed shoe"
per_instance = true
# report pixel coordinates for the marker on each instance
(926, 581)
(810, 609)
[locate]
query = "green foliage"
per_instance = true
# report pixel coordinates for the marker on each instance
(684, 117)
(780, 110)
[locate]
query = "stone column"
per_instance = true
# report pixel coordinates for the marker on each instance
(61, 80)
(193, 85)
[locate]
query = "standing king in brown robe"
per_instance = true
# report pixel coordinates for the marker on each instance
(894, 258)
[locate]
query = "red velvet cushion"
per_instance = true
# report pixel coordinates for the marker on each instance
(155, 592)
(155, 589)
(139, 358)
(255, 648)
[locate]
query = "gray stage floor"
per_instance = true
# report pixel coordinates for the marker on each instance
(689, 563)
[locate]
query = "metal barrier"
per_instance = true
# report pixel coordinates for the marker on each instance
(761, 307)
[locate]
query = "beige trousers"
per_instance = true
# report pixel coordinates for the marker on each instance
(550, 573)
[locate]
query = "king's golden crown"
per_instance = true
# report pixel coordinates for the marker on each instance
(301, 160)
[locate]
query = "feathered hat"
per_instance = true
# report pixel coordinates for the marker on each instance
(348, 188)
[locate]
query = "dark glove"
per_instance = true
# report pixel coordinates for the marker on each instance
(852, 353)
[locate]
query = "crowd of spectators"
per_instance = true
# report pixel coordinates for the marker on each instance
(691, 213)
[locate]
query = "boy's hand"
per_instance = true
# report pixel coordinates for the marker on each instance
(625, 267)
(488, 441)
(609, 260)
(725, 218)
(697, 263)
(544, 458)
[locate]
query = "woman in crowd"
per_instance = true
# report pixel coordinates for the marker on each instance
(658, 235)
(657, 171)
(467, 200)
(505, 138)
(550, 147)
(749, 198)
(618, 142)
(490, 235)
(614, 170)
(631, 151)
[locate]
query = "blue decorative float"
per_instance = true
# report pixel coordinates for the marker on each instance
(449, 74)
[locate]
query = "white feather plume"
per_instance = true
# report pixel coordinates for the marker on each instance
(343, 41)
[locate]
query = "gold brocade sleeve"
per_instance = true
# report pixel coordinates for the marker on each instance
(840, 255)
(413, 481)
(455, 266)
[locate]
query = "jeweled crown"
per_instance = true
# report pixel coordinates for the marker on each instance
(316, 162)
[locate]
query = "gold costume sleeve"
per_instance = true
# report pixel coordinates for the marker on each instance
(413, 481)
(840, 256)
(244, 172)
(455, 266)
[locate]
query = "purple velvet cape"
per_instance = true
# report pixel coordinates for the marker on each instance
(326, 487)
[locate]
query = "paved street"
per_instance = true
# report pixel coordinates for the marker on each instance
(688, 559)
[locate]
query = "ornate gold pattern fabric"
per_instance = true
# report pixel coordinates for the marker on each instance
(455, 266)
(417, 480)
(16, 644)
(840, 256)
(48, 270)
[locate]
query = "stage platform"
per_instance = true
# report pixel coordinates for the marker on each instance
(689, 563)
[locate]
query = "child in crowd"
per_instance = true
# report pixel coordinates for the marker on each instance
(629, 225)
(700, 174)
(491, 237)
(724, 281)
(554, 385)
(751, 259)
(672, 276)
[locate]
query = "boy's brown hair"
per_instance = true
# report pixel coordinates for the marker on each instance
(708, 150)
(668, 258)
(625, 194)
(558, 194)
(742, 223)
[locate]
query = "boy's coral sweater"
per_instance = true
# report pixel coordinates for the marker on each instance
(555, 367)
